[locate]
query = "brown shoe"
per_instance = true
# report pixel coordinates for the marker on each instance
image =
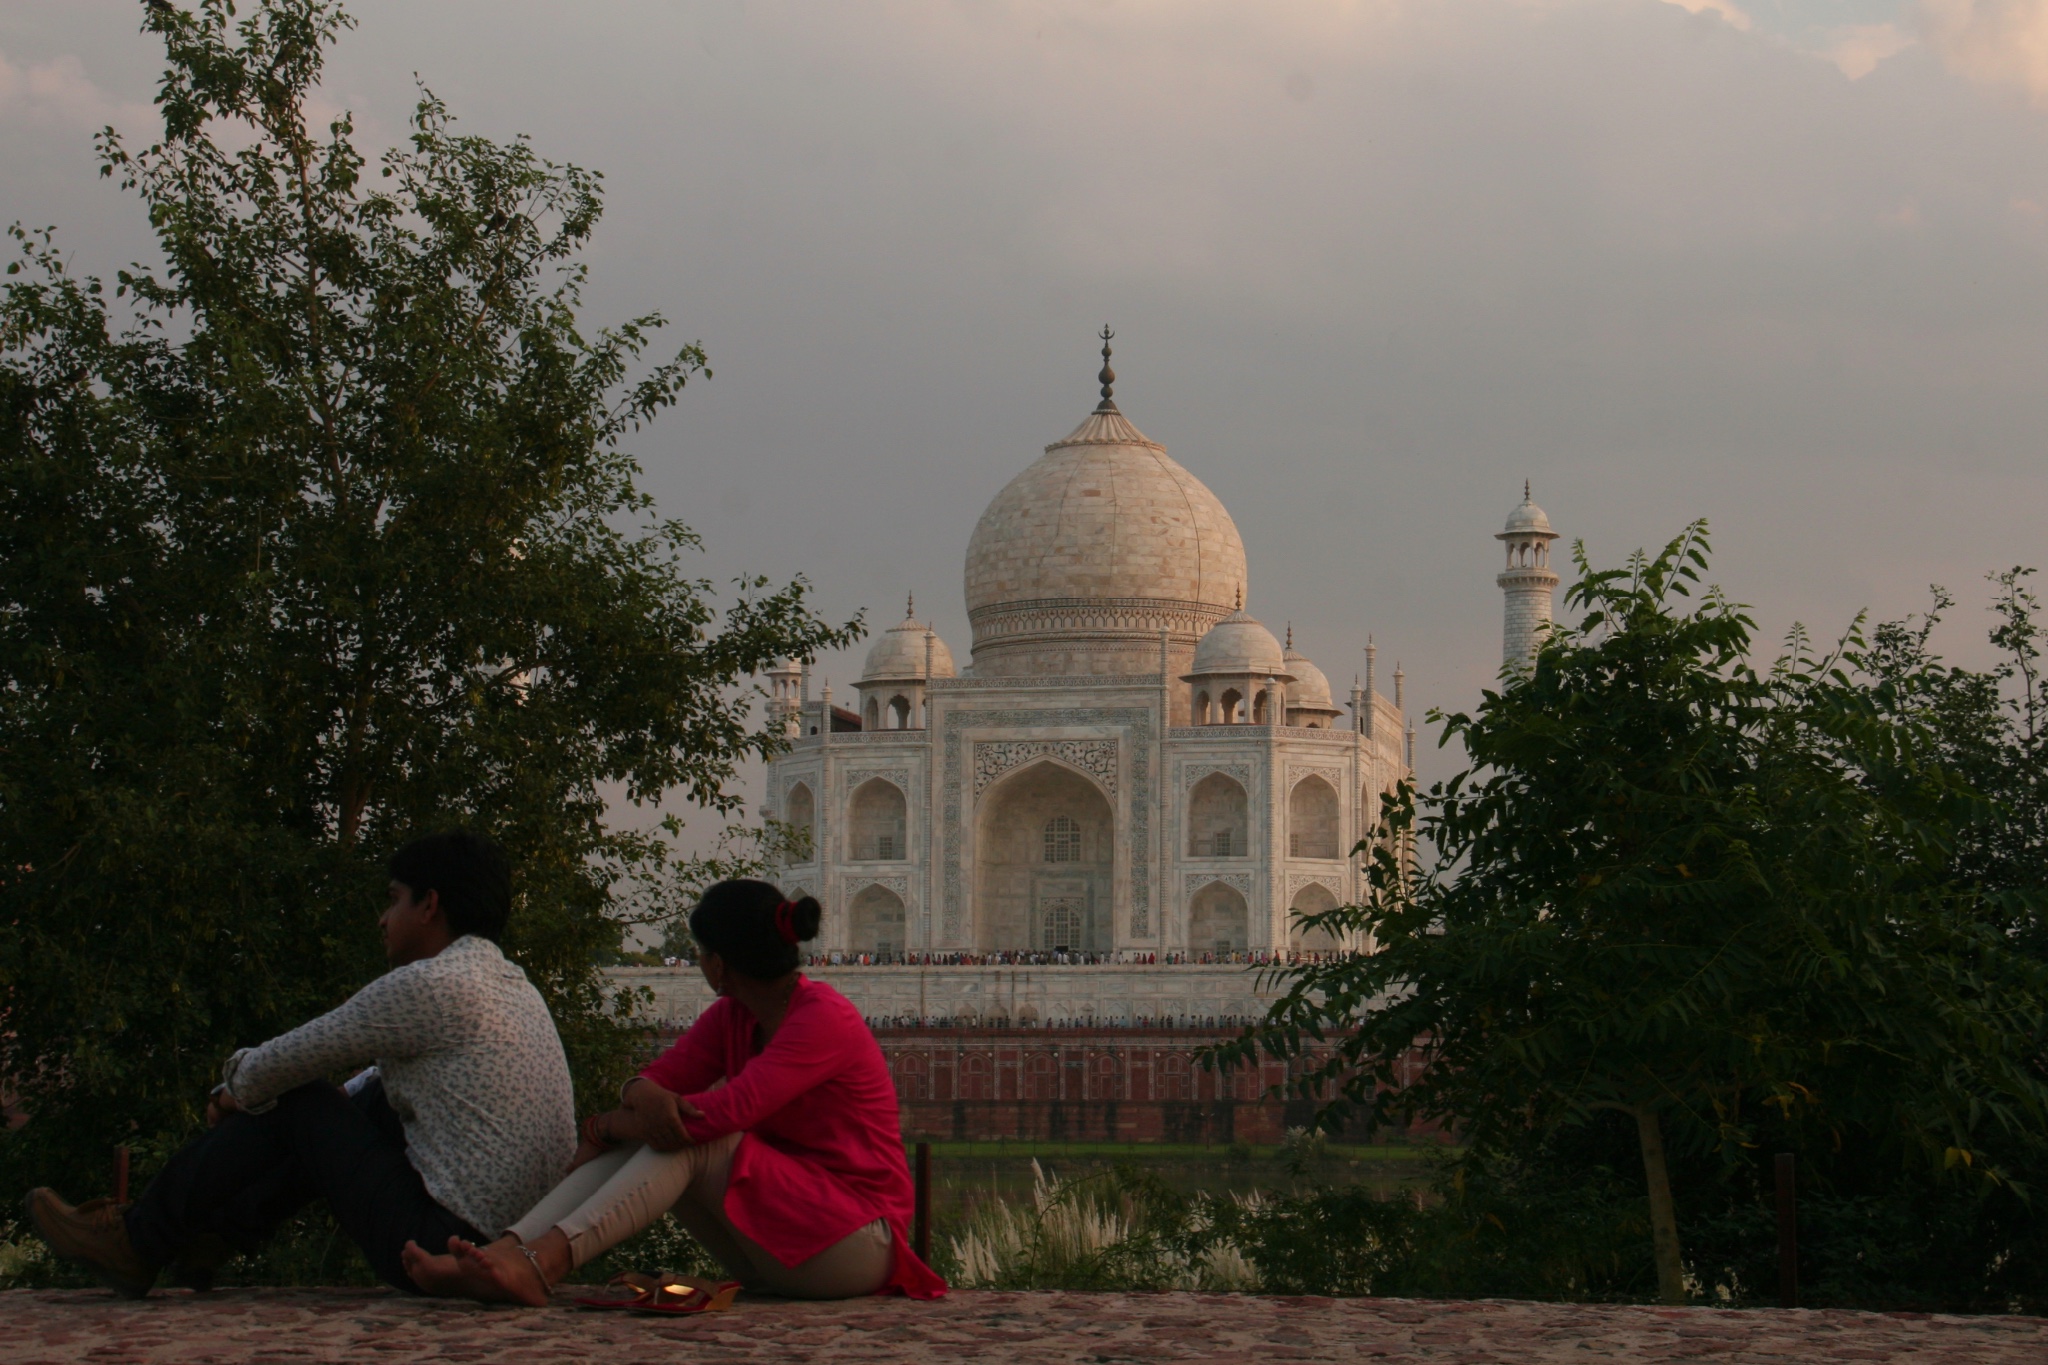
(95, 1236)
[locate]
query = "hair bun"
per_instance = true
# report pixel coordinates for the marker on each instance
(805, 917)
(753, 927)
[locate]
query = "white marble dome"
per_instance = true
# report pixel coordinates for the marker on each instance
(1527, 519)
(1085, 557)
(1311, 690)
(898, 656)
(1240, 645)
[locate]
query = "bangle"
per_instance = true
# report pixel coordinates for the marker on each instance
(594, 1135)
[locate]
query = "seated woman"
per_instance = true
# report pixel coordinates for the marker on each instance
(769, 1130)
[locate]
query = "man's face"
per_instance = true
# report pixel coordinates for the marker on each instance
(412, 925)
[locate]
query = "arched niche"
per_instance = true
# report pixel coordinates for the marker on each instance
(1219, 921)
(1219, 818)
(899, 712)
(1044, 861)
(1313, 899)
(1230, 707)
(871, 715)
(876, 922)
(800, 813)
(878, 822)
(1312, 820)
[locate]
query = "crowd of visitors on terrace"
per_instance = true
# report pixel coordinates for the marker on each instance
(1058, 957)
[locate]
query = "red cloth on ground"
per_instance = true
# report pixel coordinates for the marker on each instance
(822, 1153)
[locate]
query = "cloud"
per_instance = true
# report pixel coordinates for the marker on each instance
(58, 91)
(1859, 49)
(1992, 42)
(1730, 14)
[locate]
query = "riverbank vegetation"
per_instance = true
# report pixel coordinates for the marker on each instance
(322, 530)
(1684, 913)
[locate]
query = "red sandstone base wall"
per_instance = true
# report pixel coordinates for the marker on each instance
(1212, 1123)
(1092, 1085)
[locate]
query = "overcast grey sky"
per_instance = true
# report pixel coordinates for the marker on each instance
(1780, 264)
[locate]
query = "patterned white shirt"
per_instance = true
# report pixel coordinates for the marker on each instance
(470, 1061)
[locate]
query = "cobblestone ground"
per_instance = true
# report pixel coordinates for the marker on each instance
(1013, 1329)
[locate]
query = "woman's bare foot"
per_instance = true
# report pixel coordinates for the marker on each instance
(440, 1276)
(498, 1273)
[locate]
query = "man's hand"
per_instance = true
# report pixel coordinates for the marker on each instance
(219, 1105)
(661, 1114)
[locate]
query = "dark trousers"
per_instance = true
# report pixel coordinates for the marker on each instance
(243, 1178)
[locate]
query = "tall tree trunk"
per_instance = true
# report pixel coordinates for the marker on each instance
(1663, 1217)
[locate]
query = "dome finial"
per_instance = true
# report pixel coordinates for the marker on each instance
(1108, 376)
(909, 606)
(1240, 597)
(1525, 490)
(1290, 634)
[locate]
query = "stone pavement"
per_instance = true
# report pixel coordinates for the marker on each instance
(286, 1327)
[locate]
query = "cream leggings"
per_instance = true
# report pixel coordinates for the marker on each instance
(603, 1202)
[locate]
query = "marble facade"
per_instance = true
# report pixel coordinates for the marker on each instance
(1131, 763)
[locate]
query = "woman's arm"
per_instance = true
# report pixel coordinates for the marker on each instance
(600, 1133)
(810, 1048)
(649, 1114)
(697, 1058)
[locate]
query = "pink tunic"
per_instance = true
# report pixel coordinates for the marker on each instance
(822, 1153)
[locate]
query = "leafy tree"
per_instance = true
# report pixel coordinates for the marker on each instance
(320, 533)
(1717, 902)
(1991, 728)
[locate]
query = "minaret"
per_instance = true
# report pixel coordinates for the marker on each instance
(925, 702)
(785, 704)
(1372, 688)
(1527, 582)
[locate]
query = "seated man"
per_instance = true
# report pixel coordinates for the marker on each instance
(465, 1122)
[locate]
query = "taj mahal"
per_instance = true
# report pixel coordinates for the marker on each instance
(1131, 764)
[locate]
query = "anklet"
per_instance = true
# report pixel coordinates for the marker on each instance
(534, 1260)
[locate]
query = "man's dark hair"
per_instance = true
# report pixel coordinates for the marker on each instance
(472, 874)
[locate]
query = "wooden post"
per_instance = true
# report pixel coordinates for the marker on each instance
(120, 1175)
(921, 1219)
(1788, 1234)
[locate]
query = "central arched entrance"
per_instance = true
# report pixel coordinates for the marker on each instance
(875, 922)
(1045, 863)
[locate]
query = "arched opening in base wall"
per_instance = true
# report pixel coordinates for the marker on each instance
(875, 922)
(1218, 920)
(1313, 899)
(1312, 820)
(800, 813)
(1218, 824)
(880, 823)
(1045, 859)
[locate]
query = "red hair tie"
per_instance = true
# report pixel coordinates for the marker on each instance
(785, 921)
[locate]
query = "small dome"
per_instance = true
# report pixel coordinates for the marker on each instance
(1527, 520)
(1239, 644)
(1311, 690)
(899, 655)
